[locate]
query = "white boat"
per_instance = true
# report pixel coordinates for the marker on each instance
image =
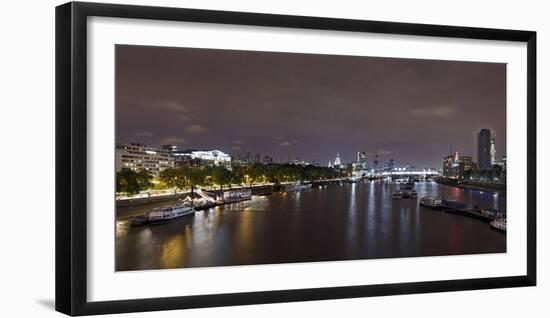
(297, 187)
(397, 195)
(231, 196)
(431, 202)
(499, 224)
(167, 214)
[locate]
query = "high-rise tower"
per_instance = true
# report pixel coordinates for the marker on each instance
(484, 149)
(493, 152)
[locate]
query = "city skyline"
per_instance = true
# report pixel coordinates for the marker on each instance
(372, 161)
(308, 106)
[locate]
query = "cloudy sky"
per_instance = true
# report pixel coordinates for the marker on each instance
(307, 106)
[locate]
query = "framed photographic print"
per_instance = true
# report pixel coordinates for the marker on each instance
(209, 158)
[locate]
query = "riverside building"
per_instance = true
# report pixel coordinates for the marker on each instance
(201, 157)
(484, 149)
(138, 157)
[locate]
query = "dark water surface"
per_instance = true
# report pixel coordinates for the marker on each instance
(351, 221)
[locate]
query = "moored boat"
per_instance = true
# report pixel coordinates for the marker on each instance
(476, 212)
(167, 214)
(413, 194)
(297, 187)
(431, 202)
(397, 195)
(499, 224)
(232, 196)
(492, 213)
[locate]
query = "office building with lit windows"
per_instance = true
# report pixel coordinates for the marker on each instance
(202, 158)
(143, 157)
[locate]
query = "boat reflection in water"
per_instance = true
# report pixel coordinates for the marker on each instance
(341, 222)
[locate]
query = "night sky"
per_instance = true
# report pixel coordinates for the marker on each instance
(308, 106)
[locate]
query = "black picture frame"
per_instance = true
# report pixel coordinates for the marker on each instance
(71, 157)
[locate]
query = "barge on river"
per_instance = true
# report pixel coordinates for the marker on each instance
(495, 217)
(431, 202)
(232, 196)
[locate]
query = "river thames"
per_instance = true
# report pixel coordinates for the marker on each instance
(335, 222)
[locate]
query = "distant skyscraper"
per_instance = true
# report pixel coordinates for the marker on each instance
(362, 159)
(376, 163)
(330, 164)
(484, 149)
(493, 152)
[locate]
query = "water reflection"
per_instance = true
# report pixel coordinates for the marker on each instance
(173, 252)
(244, 243)
(341, 222)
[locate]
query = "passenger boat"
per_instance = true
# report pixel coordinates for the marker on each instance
(167, 214)
(232, 196)
(397, 195)
(297, 187)
(499, 224)
(431, 202)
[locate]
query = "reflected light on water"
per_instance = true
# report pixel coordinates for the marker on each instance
(145, 234)
(173, 251)
(352, 205)
(495, 200)
(258, 204)
(352, 228)
(455, 193)
(245, 234)
(456, 241)
(297, 201)
(352, 221)
(121, 228)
